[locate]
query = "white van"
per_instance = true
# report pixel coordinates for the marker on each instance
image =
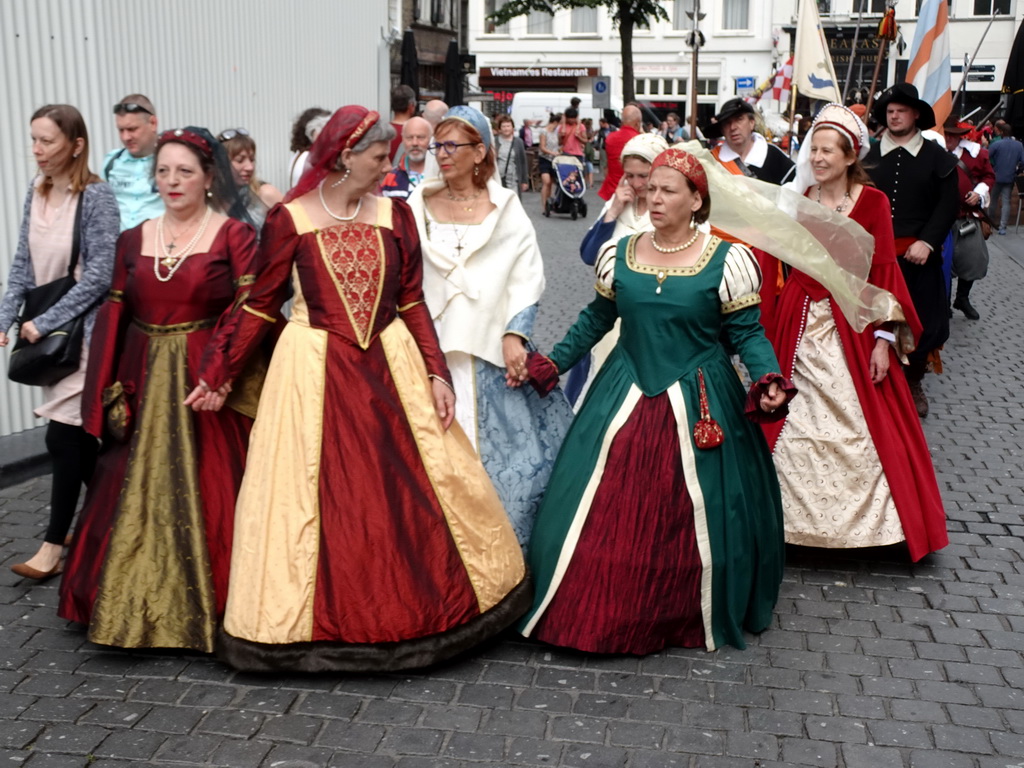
(539, 105)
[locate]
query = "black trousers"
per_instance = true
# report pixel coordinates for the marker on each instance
(73, 452)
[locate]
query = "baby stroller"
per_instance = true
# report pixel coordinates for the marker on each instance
(568, 195)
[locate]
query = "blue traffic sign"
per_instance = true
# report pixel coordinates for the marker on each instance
(746, 83)
(600, 86)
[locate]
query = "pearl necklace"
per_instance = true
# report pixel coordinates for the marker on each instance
(331, 213)
(842, 203)
(674, 248)
(171, 260)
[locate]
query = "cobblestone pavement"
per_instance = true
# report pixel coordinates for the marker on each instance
(871, 662)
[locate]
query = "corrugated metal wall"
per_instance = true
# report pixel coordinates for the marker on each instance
(226, 64)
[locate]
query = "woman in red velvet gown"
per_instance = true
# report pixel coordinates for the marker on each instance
(149, 563)
(854, 468)
(368, 535)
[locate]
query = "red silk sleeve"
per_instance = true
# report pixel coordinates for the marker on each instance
(108, 337)
(241, 253)
(412, 306)
(261, 311)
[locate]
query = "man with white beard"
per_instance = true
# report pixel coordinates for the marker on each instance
(410, 167)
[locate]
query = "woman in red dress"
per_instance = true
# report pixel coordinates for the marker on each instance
(148, 566)
(367, 534)
(853, 464)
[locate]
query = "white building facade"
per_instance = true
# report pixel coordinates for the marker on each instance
(566, 51)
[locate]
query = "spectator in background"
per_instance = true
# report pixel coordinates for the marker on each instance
(129, 170)
(510, 156)
(673, 130)
(257, 195)
(526, 132)
(434, 112)
(409, 169)
(548, 151)
(572, 135)
(403, 108)
(614, 145)
(305, 129)
(1007, 157)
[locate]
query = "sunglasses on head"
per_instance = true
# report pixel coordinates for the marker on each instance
(129, 108)
(231, 133)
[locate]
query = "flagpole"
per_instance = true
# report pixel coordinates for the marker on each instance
(969, 64)
(883, 49)
(853, 51)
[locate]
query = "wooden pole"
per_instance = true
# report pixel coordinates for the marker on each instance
(883, 47)
(853, 51)
(693, 71)
(970, 63)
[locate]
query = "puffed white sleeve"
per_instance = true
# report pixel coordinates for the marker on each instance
(604, 271)
(741, 280)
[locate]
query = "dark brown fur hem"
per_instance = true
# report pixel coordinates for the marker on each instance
(326, 656)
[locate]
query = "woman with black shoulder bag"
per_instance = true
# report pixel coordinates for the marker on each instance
(61, 272)
(511, 156)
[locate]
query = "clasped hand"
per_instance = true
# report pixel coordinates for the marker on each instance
(513, 348)
(773, 398)
(202, 398)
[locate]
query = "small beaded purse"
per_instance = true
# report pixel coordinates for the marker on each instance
(707, 433)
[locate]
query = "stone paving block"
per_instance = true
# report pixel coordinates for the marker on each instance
(9, 679)
(900, 734)
(642, 758)
(940, 652)
(103, 688)
(164, 719)
(130, 745)
(844, 730)
(426, 690)
(351, 737)
(47, 710)
(293, 729)
(900, 630)
(116, 714)
(996, 658)
(1008, 744)
(430, 762)
(853, 664)
(714, 716)
(491, 696)
(516, 722)
(476, 746)
(464, 671)
(742, 696)
(566, 679)
(203, 695)
(578, 729)
(919, 711)
(935, 759)
(520, 675)
(887, 648)
(389, 713)
(867, 756)
(412, 741)
(534, 752)
(830, 682)
(778, 723)
(42, 684)
(295, 756)
(238, 753)
(53, 661)
(976, 673)
(345, 760)
(806, 752)
(888, 687)
(756, 745)
(203, 670)
(267, 700)
(951, 693)
(808, 702)
(44, 760)
(699, 741)
(629, 734)
(658, 711)
(684, 690)
(544, 701)
(588, 756)
(194, 748)
(328, 705)
(232, 723)
(18, 734)
(631, 684)
(158, 691)
(601, 705)
(956, 738)
(72, 739)
(824, 643)
(454, 719)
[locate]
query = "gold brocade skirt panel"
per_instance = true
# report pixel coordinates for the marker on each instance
(834, 490)
(156, 590)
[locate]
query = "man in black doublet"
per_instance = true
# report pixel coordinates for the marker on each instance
(919, 178)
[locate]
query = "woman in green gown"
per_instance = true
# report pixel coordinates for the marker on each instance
(662, 523)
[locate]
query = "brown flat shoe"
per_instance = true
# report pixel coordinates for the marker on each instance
(920, 398)
(28, 572)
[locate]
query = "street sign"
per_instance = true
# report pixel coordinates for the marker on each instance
(603, 92)
(746, 83)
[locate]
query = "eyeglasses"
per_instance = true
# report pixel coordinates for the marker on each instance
(231, 133)
(449, 147)
(129, 108)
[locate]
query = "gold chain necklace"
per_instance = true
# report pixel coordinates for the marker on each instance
(463, 199)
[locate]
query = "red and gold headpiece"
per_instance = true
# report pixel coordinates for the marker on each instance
(686, 164)
(187, 136)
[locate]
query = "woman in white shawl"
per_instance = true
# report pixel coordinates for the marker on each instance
(483, 277)
(624, 214)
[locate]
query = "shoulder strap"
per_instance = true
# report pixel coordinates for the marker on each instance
(110, 164)
(76, 237)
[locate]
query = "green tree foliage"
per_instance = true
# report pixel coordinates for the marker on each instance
(626, 15)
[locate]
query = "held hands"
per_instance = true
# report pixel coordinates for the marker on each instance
(878, 365)
(918, 252)
(202, 398)
(444, 402)
(29, 332)
(774, 398)
(513, 349)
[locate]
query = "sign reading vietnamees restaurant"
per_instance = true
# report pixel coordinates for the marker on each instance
(537, 77)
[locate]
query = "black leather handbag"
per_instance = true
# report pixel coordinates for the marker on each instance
(58, 353)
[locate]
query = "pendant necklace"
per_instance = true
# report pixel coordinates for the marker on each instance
(331, 213)
(173, 261)
(662, 274)
(842, 203)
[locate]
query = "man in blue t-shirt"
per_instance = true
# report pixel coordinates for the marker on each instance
(1007, 158)
(129, 170)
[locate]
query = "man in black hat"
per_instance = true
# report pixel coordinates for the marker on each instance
(918, 177)
(746, 152)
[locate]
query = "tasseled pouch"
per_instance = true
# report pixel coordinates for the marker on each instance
(707, 433)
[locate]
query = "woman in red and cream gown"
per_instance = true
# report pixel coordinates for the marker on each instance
(367, 535)
(854, 468)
